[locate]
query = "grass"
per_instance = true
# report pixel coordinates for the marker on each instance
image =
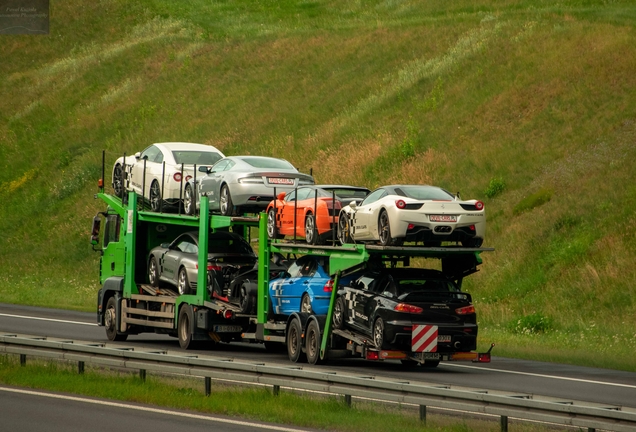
(529, 106)
(251, 403)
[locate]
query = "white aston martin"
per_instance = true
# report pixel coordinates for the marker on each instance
(394, 214)
(160, 172)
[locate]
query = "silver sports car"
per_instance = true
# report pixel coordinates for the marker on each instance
(176, 263)
(239, 184)
(398, 213)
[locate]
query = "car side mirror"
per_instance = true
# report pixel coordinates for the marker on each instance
(203, 168)
(281, 196)
(137, 155)
(353, 204)
(388, 294)
(165, 245)
(97, 223)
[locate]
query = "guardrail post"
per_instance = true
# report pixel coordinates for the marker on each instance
(142, 374)
(208, 386)
(504, 423)
(423, 413)
(80, 367)
(348, 400)
(276, 390)
(22, 359)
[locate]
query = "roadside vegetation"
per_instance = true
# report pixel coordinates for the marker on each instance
(249, 403)
(527, 105)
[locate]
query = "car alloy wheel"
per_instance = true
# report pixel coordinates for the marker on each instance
(155, 196)
(378, 333)
(344, 235)
(311, 234)
(226, 206)
(118, 181)
(188, 200)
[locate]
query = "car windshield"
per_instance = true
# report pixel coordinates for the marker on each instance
(268, 163)
(191, 157)
(424, 193)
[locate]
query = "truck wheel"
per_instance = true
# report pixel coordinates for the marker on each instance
(339, 314)
(312, 340)
(184, 327)
(294, 342)
(153, 272)
(110, 322)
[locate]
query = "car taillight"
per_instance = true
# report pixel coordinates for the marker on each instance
(479, 205)
(472, 227)
(188, 177)
(403, 307)
(177, 177)
(328, 286)
(466, 310)
(400, 204)
(228, 314)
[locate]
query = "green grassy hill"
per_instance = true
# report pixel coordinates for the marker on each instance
(527, 105)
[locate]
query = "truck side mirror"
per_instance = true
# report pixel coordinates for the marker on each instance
(97, 223)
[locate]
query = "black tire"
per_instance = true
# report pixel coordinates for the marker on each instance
(183, 284)
(384, 231)
(339, 314)
(111, 323)
(344, 233)
(155, 196)
(378, 333)
(312, 343)
(225, 202)
(184, 327)
(305, 304)
(118, 181)
(311, 230)
(430, 363)
(294, 342)
(272, 231)
(153, 272)
(189, 205)
(245, 300)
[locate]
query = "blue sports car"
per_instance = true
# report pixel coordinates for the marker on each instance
(305, 287)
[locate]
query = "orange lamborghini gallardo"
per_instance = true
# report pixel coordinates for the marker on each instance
(310, 212)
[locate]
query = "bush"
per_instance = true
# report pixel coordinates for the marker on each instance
(535, 200)
(495, 187)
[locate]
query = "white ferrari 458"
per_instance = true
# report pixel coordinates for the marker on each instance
(394, 214)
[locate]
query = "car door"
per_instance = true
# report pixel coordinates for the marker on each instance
(210, 184)
(153, 169)
(286, 213)
(171, 260)
(365, 217)
(359, 295)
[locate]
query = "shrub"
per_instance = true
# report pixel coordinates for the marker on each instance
(535, 200)
(495, 187)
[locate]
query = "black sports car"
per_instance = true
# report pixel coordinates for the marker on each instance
(392, 305)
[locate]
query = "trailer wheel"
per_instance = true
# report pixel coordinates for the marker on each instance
(312, 340)
(339, 314)
(294, 342)
(110, 322)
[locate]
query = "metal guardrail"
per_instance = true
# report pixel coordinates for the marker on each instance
(503, 404)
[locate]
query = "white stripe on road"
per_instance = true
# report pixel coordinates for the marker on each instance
(541, 375)
(48, 319)
(153, 410)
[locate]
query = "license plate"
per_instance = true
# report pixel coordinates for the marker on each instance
(227, 329)
(429, 356)
(280, 181)
(443, 338)
(443, 218)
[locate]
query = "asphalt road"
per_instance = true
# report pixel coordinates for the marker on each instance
(35, 411)
(614, 388)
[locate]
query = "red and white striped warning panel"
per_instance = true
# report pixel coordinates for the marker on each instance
(424, 338)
